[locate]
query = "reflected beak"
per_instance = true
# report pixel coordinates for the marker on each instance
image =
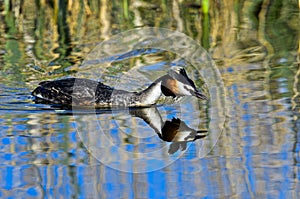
(200, 95)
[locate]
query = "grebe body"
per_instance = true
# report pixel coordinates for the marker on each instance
(86, 92)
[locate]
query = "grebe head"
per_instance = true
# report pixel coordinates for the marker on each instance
(177, 83)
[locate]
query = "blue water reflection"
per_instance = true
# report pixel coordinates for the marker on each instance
(41, 155)
(256, 47)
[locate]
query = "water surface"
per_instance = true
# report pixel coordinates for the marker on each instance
(256, 49)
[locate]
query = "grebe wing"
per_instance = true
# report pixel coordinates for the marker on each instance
(56, 92)
(65, 91)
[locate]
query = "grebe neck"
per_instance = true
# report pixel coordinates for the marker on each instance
(150, 95)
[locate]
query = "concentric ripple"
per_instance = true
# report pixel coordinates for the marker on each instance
(132, 60)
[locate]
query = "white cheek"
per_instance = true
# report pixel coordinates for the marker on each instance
(183, 89)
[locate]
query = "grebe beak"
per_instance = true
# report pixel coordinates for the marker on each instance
(199, 95)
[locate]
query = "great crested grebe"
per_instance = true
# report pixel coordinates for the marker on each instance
(85, 92)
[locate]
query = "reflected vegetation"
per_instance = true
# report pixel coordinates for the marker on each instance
(255, 45)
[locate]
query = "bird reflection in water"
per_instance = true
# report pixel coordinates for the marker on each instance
(175, 130)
